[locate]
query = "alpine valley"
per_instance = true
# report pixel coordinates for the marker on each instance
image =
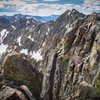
(50, 60)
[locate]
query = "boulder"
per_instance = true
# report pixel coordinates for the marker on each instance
(18, 70)
(9, 93)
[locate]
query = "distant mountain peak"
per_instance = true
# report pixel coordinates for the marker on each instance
(72, 12)
(70, 16)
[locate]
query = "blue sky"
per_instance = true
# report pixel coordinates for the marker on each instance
(47, 7)
(62, 1)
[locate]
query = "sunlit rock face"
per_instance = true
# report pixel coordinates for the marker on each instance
(56, 60)
(74, 73)
(9, 93)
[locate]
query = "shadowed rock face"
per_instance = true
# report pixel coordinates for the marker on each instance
(70, 47)
(20, 72)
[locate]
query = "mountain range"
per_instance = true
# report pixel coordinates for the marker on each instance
(50, 58)
(38, 18)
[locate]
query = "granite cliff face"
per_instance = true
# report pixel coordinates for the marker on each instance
(68, 55)
(72, 68)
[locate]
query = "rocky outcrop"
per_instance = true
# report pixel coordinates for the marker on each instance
(76, 74)
(22, 93)
(49, 77)
(18, 71)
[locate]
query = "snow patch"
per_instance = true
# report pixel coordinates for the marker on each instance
(30, 38)
(69, 29)
(74, 10)
(48, 29)
(25, 51)
(46, 33)
(67, 26)
(28, 17)
(3, 48)
(69, 12)
(43, 44)
(27, 22)
(4, 33)
(14, 27)
(19, 40)
(37, 55)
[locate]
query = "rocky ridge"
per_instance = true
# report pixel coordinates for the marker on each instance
(69, 68)
(74, 73)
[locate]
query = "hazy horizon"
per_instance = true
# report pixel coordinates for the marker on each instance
(47, 7)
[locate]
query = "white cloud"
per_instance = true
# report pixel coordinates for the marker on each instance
(18, 2)
(11, 2)
(92, 5)
(45, 9)
(42, 9)
(1, 5)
